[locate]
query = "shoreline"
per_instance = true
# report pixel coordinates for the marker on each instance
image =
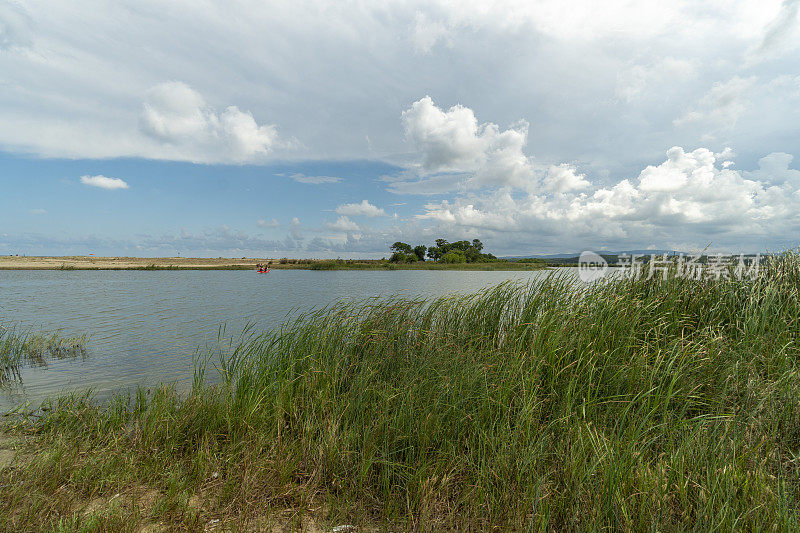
(221, 263)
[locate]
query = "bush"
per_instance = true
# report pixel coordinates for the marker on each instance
(454, 257)
(401, 257)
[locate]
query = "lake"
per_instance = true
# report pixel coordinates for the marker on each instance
(147, 326)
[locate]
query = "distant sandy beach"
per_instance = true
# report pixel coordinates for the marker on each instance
(228, 263)
(122, 263)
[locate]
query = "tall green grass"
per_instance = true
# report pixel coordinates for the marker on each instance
(631, 405)
(31, 348)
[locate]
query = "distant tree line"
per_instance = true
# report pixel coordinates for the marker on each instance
(444, 251)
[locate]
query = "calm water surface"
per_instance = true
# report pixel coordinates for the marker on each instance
(146, 327)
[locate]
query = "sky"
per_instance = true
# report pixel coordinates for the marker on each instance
(313, 128)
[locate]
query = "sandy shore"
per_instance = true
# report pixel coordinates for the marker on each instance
(228, 263)
(121, 263)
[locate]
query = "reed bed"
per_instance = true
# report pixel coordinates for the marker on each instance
(634, 405)
(18, 349)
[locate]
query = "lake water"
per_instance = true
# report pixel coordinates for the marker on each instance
(147, 326)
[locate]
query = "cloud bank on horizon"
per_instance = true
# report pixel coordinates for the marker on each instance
(536, 126)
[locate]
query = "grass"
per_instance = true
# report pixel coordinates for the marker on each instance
(342, 264)
(29, 348)
(657, 405)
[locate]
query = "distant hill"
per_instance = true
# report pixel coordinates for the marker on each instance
(604, 253)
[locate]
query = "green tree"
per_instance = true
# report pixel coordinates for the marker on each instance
(454, 256)
(401, 247)
(400, 257)
(419, 251)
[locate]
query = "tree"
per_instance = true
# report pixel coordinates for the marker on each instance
(463, 251)
(401, 247)
(461, 245)
(400, 257)
(455, 256)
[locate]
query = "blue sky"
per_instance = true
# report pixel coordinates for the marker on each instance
(332, 129)
(166, 201)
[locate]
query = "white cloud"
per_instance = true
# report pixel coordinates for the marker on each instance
(364, 209)
(262, 223)
(15, 26)
(564, 178)
(104, 182)
(691, 196)
(343, 224)
(427, 32)
(315, 180)
(774, 168)
(780, 36)
(176, 114)
(640, 81)
(459, 153)
(605, 87)
(722, 106)
(38, 211)
(295, 229)
(585, 75)
(454, 141)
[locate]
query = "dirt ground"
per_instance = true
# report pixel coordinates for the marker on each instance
(8, 450)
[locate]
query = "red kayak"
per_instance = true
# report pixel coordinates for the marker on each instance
(263, 271)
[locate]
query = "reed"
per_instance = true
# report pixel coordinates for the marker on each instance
(31, 348)
(349, 264)
(625, 405)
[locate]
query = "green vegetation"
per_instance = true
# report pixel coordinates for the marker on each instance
(531, 260)
(362, 264)
(634, 405)
(447, 252)
(18, 349)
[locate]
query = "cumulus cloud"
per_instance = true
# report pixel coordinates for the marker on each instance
(343, 223)
(689, 196)
(604, 87)
(454, 141)
(456, 152)
(564, 178)
(774, 168)
(178, 115)
(686, 201)
(562, 76)
(315, 180)
(103, 182)
(364, 209)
